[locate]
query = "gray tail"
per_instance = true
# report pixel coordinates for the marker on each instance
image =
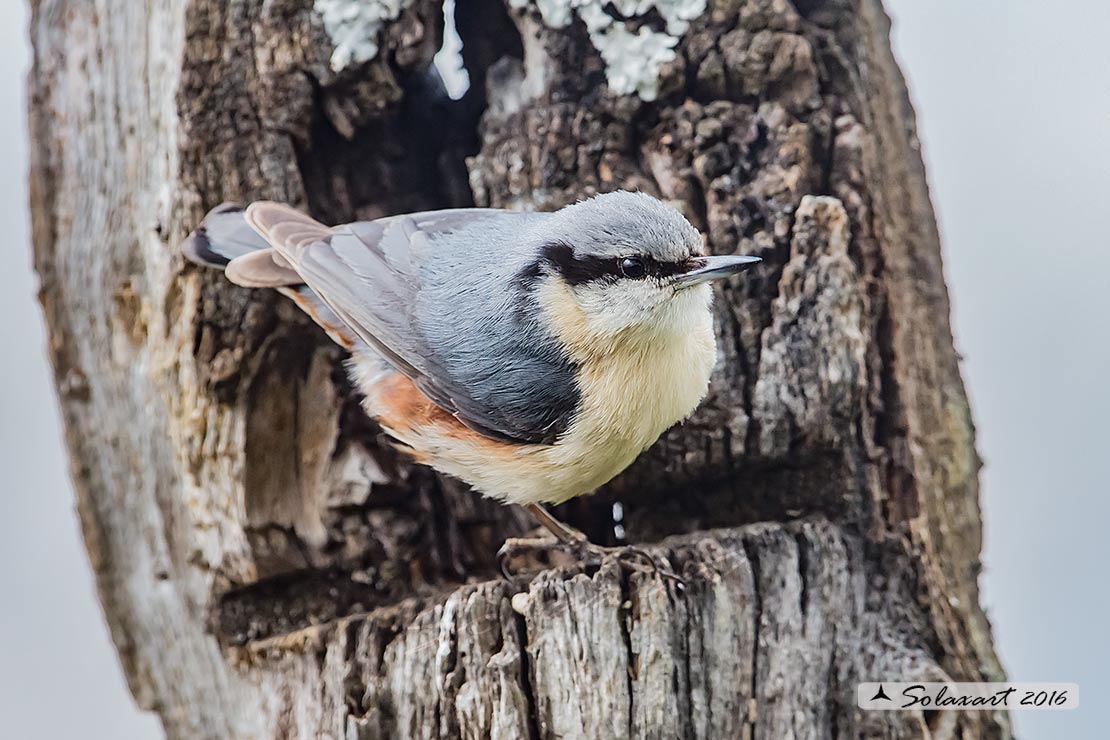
(226, 241)
(223, 235)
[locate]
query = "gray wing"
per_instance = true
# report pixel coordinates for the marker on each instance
(371, 275)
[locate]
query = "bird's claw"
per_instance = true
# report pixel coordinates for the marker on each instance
(654, 565)
(583, 552)
(515, 547)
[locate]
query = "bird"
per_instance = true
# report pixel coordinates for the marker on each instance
(532, 355)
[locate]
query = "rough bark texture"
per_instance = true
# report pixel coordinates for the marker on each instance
(271, 569)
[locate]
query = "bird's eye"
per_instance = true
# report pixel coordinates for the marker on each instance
(633, 267)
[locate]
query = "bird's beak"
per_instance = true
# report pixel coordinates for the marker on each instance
(714, 268)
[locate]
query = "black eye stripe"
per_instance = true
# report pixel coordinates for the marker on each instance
(578, 270)
(667, 269)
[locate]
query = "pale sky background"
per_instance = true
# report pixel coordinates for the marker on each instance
(1013, 102)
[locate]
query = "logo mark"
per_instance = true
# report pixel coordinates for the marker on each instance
(880, 694)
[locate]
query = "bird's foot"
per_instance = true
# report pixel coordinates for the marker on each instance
(519, 554)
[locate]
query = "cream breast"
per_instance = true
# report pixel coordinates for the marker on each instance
(633, 386)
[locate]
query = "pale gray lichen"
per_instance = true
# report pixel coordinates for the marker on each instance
(633, 60)
(354, 27)
(448, 60)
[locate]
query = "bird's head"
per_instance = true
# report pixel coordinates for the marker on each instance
(625, 263)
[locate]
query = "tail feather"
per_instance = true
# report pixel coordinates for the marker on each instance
(286, 229)
(262, 269)
(249, 254)
(324, 317)
(222, 236)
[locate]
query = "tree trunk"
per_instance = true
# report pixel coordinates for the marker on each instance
(270, 568)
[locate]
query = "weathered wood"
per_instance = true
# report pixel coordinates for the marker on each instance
(765, 637)
(271, 568)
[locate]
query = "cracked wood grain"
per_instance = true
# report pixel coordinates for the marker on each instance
(766, 638)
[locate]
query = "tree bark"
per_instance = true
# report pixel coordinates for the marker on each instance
(270, 568)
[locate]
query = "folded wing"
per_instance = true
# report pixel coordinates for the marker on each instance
(368, 274)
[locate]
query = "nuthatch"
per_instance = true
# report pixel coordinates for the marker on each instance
(532, 355)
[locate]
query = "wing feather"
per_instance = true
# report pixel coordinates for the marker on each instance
(368, 274)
